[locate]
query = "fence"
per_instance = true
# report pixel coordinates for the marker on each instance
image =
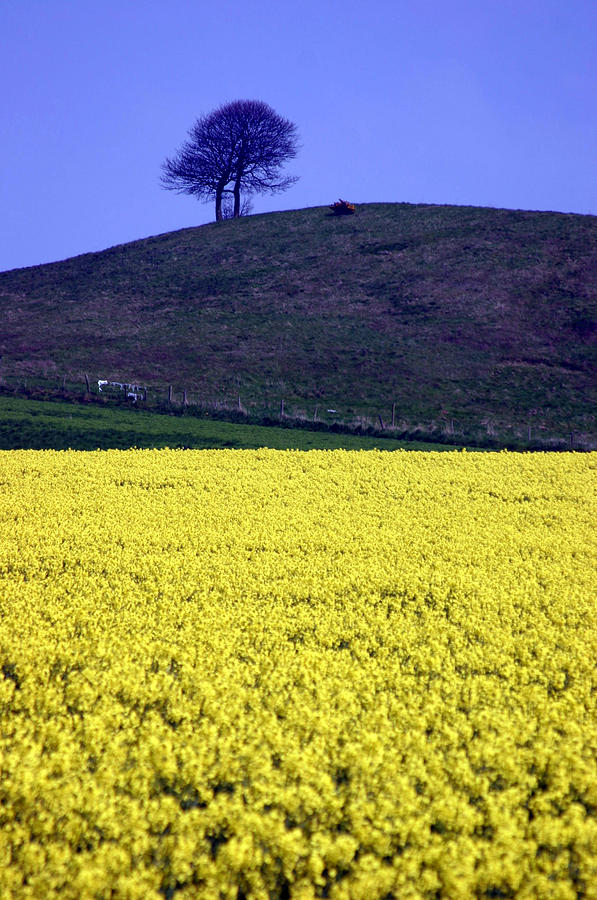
(445, 428)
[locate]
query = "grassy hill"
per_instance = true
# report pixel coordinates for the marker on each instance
(464, 318)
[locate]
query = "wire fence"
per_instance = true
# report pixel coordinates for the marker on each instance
(387, 421)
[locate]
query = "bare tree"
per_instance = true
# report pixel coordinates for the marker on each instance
(240, 146)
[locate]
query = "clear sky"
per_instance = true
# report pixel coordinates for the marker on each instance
(475, 102)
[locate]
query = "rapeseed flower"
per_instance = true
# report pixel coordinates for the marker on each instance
(264, 673)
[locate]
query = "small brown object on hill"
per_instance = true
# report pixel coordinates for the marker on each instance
(342, 208)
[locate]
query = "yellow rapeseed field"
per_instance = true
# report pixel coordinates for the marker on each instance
(277, 674)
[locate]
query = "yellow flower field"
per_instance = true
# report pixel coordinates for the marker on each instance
(277, 674)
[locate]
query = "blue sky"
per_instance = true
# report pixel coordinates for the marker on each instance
(475, 102)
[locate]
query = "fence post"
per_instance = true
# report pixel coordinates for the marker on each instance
(170, 394)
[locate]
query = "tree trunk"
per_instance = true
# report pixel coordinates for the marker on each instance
(236, 192)
(240, 171)
(219, 192)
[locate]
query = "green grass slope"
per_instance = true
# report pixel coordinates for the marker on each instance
(43, 425)
(463, 315)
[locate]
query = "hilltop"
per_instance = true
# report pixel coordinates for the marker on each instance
(457, 315)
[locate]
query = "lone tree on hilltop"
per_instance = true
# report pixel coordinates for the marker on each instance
(239, 146)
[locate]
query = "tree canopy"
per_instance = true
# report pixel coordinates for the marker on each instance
(239, 147)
